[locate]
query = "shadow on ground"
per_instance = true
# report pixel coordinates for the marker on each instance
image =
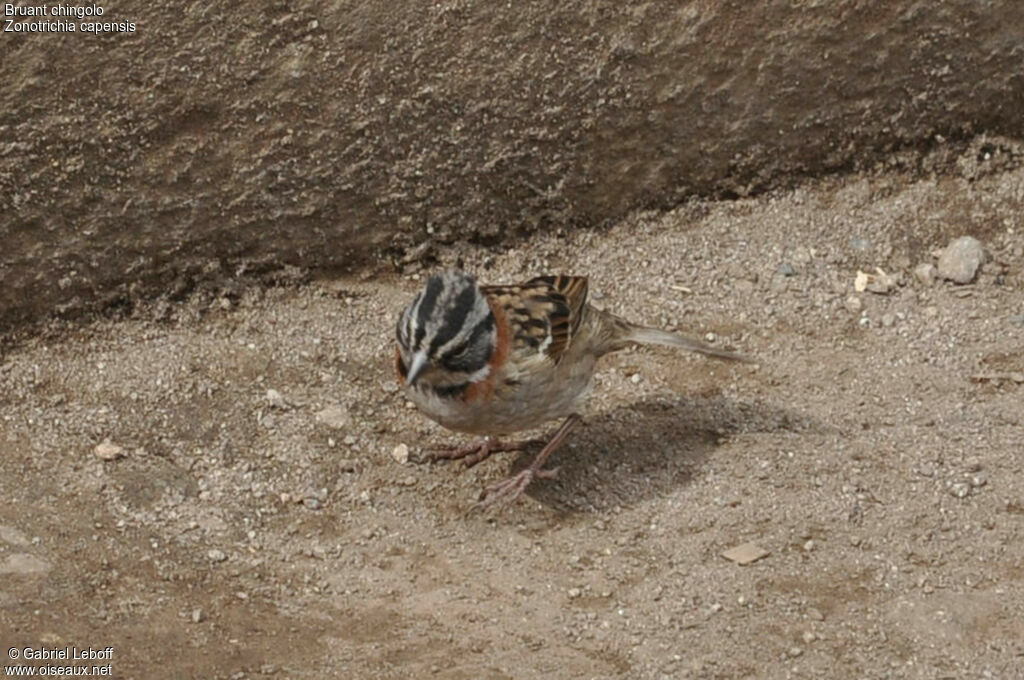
(649, 449)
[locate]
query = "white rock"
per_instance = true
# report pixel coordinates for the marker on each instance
(335, 416)
(275, 399)
(401, 454)
(879, 282)
(106, 450)
(961, 259)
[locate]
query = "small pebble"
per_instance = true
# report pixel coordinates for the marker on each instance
(882, 283)
(574, 593)
(108, 451)
(635, 378)
(879, 282)
(960, 489)
(924, 273)
(785, 270)
(401, 454)
(333, 416)
(795, 651)
(888, 320)
(860, 243)
(853, 304)
(275, 399)
(198, 615)
(746, 553)
(216, 555)
(960, 260)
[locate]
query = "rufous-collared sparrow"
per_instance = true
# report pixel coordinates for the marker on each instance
(494, 360)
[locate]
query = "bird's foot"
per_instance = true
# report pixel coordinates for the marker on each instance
(474, 453)
(507, 490)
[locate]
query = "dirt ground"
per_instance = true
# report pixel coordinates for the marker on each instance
(253, 522)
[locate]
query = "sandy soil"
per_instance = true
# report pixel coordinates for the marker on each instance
(254, 522)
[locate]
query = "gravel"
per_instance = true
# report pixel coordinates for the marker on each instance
(880, 476)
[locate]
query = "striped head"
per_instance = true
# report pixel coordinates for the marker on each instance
(447, 335)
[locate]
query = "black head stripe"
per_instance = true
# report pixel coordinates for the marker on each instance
(455, 317)
(426, 306)
(485, 326)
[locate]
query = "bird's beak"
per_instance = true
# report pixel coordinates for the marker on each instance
(416, 366)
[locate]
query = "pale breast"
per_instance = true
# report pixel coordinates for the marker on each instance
(525, 396)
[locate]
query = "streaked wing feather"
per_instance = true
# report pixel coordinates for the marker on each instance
(544, 313)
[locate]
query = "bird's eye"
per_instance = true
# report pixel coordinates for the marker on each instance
(453, 358)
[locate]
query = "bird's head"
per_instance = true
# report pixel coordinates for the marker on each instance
(447, 334)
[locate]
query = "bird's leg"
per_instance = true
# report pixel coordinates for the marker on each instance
(512, 488)
(474, 453)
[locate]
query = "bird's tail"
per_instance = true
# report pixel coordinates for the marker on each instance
(652, 336)
(619, 333)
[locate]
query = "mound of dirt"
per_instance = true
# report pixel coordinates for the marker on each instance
(219, 139)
